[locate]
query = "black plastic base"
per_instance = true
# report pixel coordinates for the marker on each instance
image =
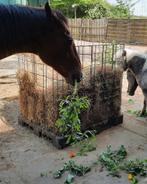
(59, 141)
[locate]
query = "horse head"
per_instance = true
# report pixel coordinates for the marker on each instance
(122, 60)
(57, 48)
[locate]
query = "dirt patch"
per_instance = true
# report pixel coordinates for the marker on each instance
(23, 156)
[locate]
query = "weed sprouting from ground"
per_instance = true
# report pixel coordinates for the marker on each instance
(73, 170)
(111, 159)
(136, 113)
(87, 145)
(130, 101)
(136, 167)
(114, 161)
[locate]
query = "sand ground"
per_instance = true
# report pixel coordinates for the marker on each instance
(24, 156)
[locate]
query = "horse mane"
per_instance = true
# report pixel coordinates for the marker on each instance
(19, 23)
(60, 16)
(15, 12)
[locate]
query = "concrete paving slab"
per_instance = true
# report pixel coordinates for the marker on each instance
(49, 162)
(136, 125)
(143, 181)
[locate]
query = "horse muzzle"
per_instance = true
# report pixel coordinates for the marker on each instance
(76, 77)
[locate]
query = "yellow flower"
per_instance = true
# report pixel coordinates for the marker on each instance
(130, 176)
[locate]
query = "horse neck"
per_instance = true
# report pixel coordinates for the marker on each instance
(20, 28)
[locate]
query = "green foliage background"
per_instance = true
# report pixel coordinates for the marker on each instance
(94, 9)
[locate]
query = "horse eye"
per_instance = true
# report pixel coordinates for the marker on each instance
(67, 33)
(69, 39)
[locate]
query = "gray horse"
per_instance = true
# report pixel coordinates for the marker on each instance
(135, 63)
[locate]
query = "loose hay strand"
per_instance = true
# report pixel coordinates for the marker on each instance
(75, 90)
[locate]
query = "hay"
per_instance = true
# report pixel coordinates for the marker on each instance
(104, 92)
(103, 87)
(36, 106)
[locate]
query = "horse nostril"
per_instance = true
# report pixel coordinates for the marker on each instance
(77, 77)
(81, 76)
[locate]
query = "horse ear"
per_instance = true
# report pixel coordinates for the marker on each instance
(48, 10)
(125, 64)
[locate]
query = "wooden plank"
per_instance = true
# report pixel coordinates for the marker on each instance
(99, 29)
(141, 29)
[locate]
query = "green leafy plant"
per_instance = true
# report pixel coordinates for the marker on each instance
(69, 123)
(111, 159)
(97, 11)
(69, 179)
(114, 161)
(134, 180)
(136, 167)
(73, 169)
(110, 53)
(130, 101)
(87, 145)
(136, 113)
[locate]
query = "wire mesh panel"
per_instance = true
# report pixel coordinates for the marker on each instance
(91, 56)
(41, 87)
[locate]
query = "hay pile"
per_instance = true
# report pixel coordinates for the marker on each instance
(35, 106)
(104, 91)
(40, 108)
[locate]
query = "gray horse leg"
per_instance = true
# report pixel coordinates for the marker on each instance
(143, 112)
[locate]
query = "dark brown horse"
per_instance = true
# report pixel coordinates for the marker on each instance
(43, 32)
